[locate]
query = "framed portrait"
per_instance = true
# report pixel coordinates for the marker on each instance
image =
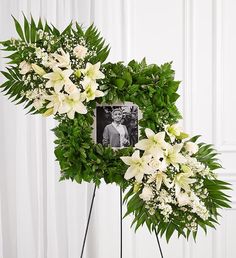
(117, 125)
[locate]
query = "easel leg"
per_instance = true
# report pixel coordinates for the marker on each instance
(159, 245)
(121, 226)
(87, 226)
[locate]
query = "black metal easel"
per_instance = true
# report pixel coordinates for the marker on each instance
(121, 227)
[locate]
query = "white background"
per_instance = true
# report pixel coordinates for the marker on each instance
(41, 217)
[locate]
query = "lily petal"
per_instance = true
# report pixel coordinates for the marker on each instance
(147, 158)
(139, 177)
(136, 155)
(99, 93)
(127, 160)
(80, 108)
(142, 144)
(149, 133)
(178, 147)
(131, 172)
(71, 114)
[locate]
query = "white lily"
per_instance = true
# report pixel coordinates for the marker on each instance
(154, 144)
(71, 88)
(91, 89)
(56, 100)
(183, 181)
(160, 177)
(73, 103)
(58, 78)
(138, 166)
(63, 60)
(173, 131)
(92, 71)
(173, 155)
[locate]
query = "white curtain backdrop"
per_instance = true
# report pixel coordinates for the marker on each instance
(43, 218)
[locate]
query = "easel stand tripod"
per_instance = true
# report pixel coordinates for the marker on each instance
(121, 227)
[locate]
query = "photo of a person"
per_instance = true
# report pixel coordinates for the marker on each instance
(116, 134)
(115, 126)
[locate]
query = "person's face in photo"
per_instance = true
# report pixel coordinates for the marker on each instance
(117, 116)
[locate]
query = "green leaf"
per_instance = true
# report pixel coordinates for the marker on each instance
(195, 138)
(67, 30)
(127, 76)
(169, 232)
(119, 83)
(19, 29)
(78, 178)
(55, 31)
(140, 221)
(134, 88)
(26, 29)
(33, 30)
(222, 203)
(99, 149)
(79, 30)
(164, 228)
(7, 75)
(195, 235)
(47, 28)
(40, 24)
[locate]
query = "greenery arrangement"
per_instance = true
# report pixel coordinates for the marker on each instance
(170, 178)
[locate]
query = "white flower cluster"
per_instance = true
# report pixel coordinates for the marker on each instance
(61, 82)
(198, 167)
(38, 96)
(167, 173)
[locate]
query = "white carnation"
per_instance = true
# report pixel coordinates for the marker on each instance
(24, 67)
(38, 52)
(80, 51)
(191, 147)
(38, 103)
(157, 164)
(146, 194)
(183, 199)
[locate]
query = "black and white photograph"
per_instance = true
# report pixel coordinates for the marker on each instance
(117, 126)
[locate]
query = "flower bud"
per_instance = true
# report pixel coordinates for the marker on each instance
(49, 112)
(78, 73)
(39, 70)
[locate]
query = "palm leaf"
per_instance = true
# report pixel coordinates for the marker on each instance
(26, 29)
(19, 29)
(33, 30)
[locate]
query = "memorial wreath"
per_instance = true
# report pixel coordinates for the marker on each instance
(169, 178)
